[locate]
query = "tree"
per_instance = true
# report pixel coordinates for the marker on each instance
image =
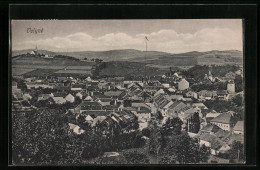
(204, 153)
(159, 115)
(194, 123)
(146, 132)
(238, 100)
(136, 157)
(40, 137)
(156, 140)
(185, 149)
(239, 83)
(172, 126)
(236, 151)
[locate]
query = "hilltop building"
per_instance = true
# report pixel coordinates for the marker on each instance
(35, 51)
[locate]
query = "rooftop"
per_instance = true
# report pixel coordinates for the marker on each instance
(224, 118)
(239, 126)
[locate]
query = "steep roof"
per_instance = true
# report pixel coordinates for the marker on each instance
(215, 142)
(222, 92)
(59, 94)
(210, 128)
(234, 137)
(224, 118)
(112, 93)
(88, 98)
(183, 81)
(160, 100)
(96, 113)
(177, 106)
(78, 86)
(90, 103)
(239, 126)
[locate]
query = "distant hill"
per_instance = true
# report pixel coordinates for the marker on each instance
(154, 58)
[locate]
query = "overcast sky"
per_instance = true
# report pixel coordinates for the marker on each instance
(174, 36)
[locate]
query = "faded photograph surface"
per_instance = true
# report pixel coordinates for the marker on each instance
(127, 92)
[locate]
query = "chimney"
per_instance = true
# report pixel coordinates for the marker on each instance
(91, 93)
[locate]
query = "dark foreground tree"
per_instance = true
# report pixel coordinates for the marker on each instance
(204, 154)
(183, 148)
(172, 126)
(42, 137)
(136, 157)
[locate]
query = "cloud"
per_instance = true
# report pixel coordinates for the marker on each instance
(166, 40)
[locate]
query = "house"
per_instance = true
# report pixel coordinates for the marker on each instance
(211, 115)
(230, 76)
(27, 96)
(88, 98)
(210, 129)
(44, 96)
(207, 95)
(166, 85)
(104, 101)
(188, 112)
(191, 94)
(38, 84)
(214, 143)
(172, 90)
(234, 137)
(217, 160)
(183, 84)
(78, 87)
(174, 97)
(222, 94)
(88, 106)
(165, 108)
(225, 121)
(14, 86)
(161, 91)
(200, 105)
(231, 87)
(113, 93)
(142, 113)
(89, 118)
(177, 107)
(76, 129)
(59, 98)
(160, 101)
(88, 79)
(239, 128)
(70, 98)
(80, 95)
(104, 85)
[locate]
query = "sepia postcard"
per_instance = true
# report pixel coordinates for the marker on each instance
(139, 91)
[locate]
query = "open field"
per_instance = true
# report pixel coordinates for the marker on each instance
(78, 67)
(73, 71)
(20, 71)
(35, 66)
(38, 67)
(40, 72)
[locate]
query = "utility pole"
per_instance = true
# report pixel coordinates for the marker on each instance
(146, 39)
